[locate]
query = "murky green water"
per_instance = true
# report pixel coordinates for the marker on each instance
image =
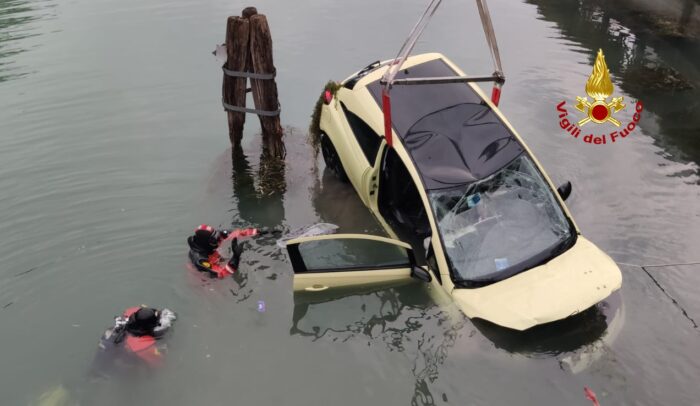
(113, 146)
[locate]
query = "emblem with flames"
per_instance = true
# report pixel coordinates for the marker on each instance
(599, 87)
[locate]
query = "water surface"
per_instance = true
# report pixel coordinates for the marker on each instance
(113, 146)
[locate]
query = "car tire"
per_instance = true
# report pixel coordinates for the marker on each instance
(332, 159)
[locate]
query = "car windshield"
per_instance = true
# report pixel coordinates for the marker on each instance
(500, 225)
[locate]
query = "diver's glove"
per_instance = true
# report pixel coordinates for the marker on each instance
(165, 321)
(116, 333)
(236, 251)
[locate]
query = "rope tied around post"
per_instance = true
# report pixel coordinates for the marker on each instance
(250, 75)
(237, 109)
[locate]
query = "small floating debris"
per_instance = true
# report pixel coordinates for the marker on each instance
(26, 272)
(220, 53)
(590, 395)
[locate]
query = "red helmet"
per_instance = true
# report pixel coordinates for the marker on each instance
(205, 227)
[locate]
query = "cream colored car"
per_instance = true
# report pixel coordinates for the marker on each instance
(467, 205)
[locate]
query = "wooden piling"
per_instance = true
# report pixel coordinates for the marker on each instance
(265, 91)
(234, 88)
(249, 51)
(249, 12)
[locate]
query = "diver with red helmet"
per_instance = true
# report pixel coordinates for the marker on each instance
(132, 345)
(204, 249)
(133, 340)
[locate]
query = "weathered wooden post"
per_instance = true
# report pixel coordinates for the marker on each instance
(249, 55)
(265, 91)
(234, 88)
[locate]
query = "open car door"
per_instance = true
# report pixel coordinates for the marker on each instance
(344, 261)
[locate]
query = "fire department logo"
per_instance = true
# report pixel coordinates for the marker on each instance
(599, 87)
(599, 108)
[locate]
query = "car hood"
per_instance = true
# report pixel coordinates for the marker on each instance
(568, 284)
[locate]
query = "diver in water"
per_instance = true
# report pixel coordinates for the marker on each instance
(133, 340)
(128, 348)
(204, 249)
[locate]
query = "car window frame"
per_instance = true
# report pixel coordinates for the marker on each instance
(299, 266)
(426, 209)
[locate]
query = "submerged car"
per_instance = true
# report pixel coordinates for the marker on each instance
(467, 205)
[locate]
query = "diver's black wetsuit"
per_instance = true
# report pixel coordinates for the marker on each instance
(203, 250)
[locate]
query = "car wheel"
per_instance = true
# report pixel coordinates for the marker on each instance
(331, 158)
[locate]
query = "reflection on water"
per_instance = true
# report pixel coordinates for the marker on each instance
(15, 19)
(259, 199)
(663, 73)
(432, 353)
(260, 202)
(403, 318)
(337, 203)
(406, 320)
(550, 339)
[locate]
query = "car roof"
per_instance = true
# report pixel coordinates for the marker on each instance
(450, 133)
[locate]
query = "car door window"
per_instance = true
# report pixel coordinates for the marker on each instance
(349, 254)
(368, 140)
(401, 205)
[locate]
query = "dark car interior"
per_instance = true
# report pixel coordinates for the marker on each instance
(400, 204)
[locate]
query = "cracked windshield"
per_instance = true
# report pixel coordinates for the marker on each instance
(491, 226)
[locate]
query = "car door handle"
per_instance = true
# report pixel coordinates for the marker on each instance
(316, 288)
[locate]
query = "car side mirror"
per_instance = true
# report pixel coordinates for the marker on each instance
(564, 190)
(421, 274)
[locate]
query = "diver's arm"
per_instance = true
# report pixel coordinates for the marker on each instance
(236, 251)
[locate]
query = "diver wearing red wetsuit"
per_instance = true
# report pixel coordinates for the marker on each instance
(205, 243)
(133, 340)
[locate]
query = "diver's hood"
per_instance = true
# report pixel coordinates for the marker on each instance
(568, 284)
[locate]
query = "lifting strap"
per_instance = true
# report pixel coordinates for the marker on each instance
(239, 74)
(255, 76)
(389, 77)
(236, 109)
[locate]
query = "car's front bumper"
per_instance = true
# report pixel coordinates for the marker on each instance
(566, 285)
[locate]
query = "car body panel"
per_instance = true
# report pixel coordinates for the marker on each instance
(568, 284)
(316, 282)
(339, 131)
(360, 275)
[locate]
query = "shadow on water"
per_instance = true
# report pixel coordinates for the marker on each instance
(661, 71)
(15, 17)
